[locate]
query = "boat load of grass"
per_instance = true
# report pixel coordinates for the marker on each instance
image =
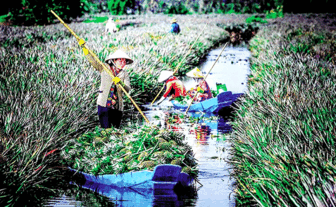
(285, 126)
(113, 151)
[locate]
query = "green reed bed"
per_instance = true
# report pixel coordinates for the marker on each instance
(48, 91)
(285, 127)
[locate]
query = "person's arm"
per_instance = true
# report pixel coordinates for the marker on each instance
(123, 79)
(169, 87)
(203, 86)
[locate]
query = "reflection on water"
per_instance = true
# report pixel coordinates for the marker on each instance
(64, 201)
(231, 69)
(74, 196)
(202, 132)
(128, 197)
(205, 133)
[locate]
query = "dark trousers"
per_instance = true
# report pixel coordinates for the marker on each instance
(109, 116)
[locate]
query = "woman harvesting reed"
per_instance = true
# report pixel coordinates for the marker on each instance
(110, 98)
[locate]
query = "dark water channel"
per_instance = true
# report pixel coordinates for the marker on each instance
(207, 137)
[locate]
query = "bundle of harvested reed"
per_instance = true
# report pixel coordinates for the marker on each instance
(114, 151)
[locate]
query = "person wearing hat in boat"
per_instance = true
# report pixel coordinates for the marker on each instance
(174, 87)
(175, 28)
(110, 98)
(202, 86)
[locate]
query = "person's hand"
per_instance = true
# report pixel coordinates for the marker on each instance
(116, 80)
(199, 89)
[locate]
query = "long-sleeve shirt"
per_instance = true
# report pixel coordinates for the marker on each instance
(201, 96)
(175, 28)
(107, 84)
(175, 87)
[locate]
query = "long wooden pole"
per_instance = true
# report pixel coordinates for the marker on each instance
(86, 51)
(192, 100)
(177, 67)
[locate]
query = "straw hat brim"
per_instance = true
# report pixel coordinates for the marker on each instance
(119, 54)
(195, 73)
(164, 75)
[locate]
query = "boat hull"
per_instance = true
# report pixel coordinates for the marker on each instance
(163, 177)
(212, 105)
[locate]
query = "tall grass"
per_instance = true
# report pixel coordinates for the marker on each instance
(48, 90)
(284, 130)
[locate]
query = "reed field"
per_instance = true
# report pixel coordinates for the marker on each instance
(283, 132)
(285, 126)
(48, 90)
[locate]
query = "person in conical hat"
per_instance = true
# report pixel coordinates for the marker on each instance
(173, 86)
(110, 98)
(202, 86)
(175, 28)
(110, 26)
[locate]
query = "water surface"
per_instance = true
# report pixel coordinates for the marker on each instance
(207, 137)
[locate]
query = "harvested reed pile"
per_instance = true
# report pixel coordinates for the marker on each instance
(113, 151)
(285, 126)
(48, 90)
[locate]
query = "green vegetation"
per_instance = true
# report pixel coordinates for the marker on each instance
(272, 14)
(97, 20)
(284, 130)
(119, 7)
(32, 12)
(48, 91)
(255, 19)
(3, 18)
(175, 9)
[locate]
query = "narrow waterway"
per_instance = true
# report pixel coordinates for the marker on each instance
(207, 136)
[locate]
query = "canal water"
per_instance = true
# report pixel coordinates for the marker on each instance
(207, 135)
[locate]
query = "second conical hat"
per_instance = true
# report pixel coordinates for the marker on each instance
(164, 75)
(119, 54)
(195, 73)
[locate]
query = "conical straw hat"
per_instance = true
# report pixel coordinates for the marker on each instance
(195, 73)
(173, 20)
(164, 75)
(119, 54)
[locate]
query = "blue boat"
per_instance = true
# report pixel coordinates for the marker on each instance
(212, 105)
(164, 177)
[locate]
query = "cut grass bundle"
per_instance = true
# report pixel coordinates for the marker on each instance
(113, 151)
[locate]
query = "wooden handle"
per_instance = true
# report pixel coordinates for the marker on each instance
(192, 100)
